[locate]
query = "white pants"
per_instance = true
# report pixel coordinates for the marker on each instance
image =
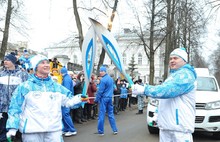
(43, 137)
(173, 136)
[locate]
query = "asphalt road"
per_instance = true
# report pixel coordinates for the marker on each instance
(132, 128)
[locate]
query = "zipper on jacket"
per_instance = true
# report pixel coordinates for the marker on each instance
(8, 84)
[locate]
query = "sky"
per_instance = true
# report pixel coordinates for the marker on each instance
(212, 38)
(51, 21)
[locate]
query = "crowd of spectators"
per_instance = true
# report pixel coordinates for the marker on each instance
(122, 92)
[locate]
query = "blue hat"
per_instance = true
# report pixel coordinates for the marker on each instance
(64, 70)
(102, 68)
(11, 57)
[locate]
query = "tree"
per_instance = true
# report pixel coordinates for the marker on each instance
(215, 4)
(6, 30)
(171, 23)
(132, 67)
(169, 29)
(216, 63)
(14, 21)
(215, 60)
(185, 25)
(198, 61)
(152, 39)
(78, 23)
(156, 16)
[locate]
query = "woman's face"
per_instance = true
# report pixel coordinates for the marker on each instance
(43, 68)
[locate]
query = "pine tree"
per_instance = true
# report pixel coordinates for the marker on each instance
(132, 67)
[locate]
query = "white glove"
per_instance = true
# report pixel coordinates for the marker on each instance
(137, 89)
(11, 132)
(74, 100)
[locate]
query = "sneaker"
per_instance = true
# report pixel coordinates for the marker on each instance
(63, 133)
(115, 133)
(83, 120)
(68, 134)
(100, 134)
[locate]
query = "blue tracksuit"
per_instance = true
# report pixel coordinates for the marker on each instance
(68, 125)
(104, 97)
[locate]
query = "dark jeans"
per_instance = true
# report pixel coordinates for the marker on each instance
(91, 110)
(116, 104)
(123, 104)
(77, 114)
(95, 110)
(3, 130)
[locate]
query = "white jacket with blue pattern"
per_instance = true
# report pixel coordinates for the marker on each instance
(176, 110)
(36, 106)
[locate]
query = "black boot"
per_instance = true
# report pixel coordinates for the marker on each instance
(140, 112)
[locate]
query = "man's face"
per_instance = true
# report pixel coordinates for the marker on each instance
(8, 64)
(102, 73)
(176, 62)
(43, 68)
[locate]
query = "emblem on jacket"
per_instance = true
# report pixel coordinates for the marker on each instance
(37, 95)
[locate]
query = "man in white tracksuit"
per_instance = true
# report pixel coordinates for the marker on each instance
(35, 107)
(176, 110)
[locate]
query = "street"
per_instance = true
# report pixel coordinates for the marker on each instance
(132, 128)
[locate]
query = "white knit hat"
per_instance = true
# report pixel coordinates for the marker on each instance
(180, 52)
(35, 60)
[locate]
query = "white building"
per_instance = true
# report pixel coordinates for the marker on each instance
(129, 45)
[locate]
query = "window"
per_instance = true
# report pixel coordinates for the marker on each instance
(124, 58)
(206, 84)
(75, 59)
(139, 59)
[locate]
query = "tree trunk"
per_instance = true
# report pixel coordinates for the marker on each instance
(168, 28)
(78, 24)
(6, 30)
(152, 68)
(169, 41)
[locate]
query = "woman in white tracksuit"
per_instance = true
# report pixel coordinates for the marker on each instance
(35, 107)
(176, 110)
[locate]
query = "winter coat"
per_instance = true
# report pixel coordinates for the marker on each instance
(9, 80)
(78, 88)
(176, 110)
(118, 90)
(124, 93)
(36, 105)
(91, 91)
